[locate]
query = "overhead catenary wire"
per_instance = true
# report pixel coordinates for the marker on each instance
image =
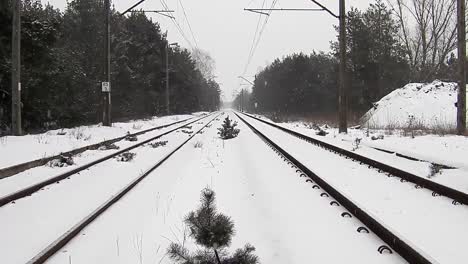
(188, 23)
(257, 41)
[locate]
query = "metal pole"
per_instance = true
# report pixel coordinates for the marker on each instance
(461, 104)
(342, 96)
(16, 70)
(106, 87)
(167, 80)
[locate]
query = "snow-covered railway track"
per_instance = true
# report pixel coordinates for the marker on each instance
(436, 188)
(56, 236)
(398, 244)
(22, 192)
(18, 168)
(421, 227)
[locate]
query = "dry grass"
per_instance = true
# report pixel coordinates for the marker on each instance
(413, 127)
(330, 119)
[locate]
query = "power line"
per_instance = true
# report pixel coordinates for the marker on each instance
(177, 25)
(254, 47)
(256, 32)
(190, 27)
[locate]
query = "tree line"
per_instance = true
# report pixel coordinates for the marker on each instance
(384, 52)
(62, 69)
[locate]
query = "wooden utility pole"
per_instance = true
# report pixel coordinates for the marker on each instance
(342, 96)
(106, 86)
(461, 104)
(16, 70)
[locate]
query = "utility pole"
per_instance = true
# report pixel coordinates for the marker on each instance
(167, 79)
(16, 70)
(343, 91)
(168, 100)
(461, 104)
(242, 100)
(106, 86)
(343, 86)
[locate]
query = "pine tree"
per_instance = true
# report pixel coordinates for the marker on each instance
(214, 232)
(228, 129)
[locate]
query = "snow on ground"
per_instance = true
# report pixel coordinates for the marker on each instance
(430, 105)
(15, 150)
(450, 150)
(41, 173)
(31, 223)
(272, 208)
(432, 224)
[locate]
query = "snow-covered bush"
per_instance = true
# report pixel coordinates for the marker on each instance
(158, 144)
(63, 161)
(228, 129)
(434, 169)
(131, 137)
(125, 157)
(213, 231)
(108, 147)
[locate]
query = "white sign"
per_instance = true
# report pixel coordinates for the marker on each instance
(106, 86)
(19, 87)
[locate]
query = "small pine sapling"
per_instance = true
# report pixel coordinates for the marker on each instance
(213, 231)
(228, 129)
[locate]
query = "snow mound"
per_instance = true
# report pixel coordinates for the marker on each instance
(429, 105)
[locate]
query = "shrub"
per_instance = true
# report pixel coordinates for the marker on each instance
(213, 231)
(108, 147)
(131, 137)
(228, 129)
(125, 157)
(158, 144)
(63, 161)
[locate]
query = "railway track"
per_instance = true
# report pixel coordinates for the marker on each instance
(27, 191)
(420, 182)
(404, 248)
(63, 237)
(18, 168)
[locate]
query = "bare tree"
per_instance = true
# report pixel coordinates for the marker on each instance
(205, 63)
(428, 31)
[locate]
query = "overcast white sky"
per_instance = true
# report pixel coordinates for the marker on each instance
(226, 31)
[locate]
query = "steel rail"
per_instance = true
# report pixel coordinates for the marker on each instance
(402, 247)
(437, 188)
(15, 169)
(59, 243)
(36, 187)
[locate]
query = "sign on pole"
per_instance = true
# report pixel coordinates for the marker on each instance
(106, 87)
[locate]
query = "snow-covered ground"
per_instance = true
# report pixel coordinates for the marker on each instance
(15, 150)
(449, 150)
(431, 105)
(403, 208)
(272, 208)
(31, 223)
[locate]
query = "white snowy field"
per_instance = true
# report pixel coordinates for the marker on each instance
(31, 223)
(433, 224)
(18, 149)
(272, 208)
